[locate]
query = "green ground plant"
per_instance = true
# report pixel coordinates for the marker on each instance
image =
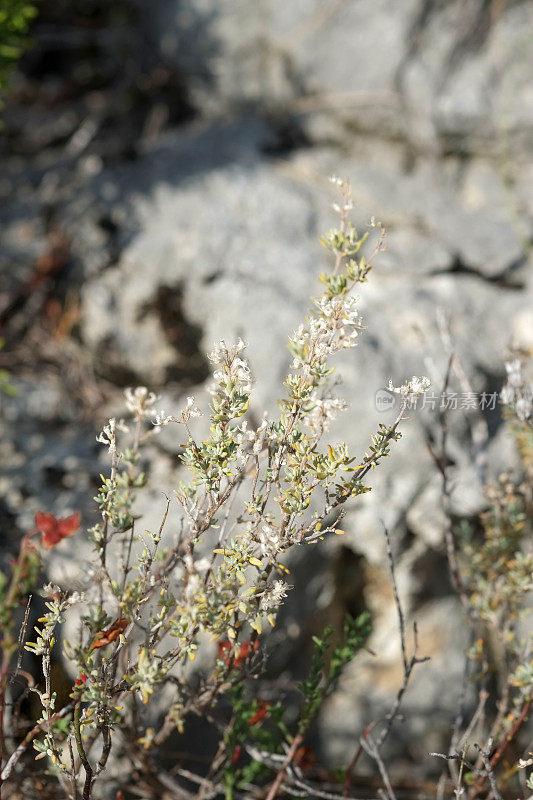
(15, 20)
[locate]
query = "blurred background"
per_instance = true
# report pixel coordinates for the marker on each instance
(163, 183)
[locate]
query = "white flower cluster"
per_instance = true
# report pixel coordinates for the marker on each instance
(243, 438)
(336, 327)
(243, 435)
(192, 589)
(237, 371)
(233, 368)
(52, 591)
(323, 411)
(516, 392)
(258, 439)
(140, 402)
(346, 191)
(411, 387)
(262, 437)
(108, 434)
(269, 540)
(272, 596)
(222, 354)
(191, 573)
(161, 419)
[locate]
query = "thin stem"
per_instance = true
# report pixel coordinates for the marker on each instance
(82, 754)
(274, 789)
(42, 726)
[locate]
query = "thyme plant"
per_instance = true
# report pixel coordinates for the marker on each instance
(491, 561)
(151, 600)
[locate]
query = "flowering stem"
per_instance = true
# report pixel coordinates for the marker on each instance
(43, 725)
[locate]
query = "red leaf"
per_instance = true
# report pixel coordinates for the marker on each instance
(68, 525)
(102, 638)
(304, 757)
(223, 647)
(242, 651)
(262, 711)
(53, 530)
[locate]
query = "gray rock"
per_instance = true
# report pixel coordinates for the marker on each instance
(368, 688)
(446, 73)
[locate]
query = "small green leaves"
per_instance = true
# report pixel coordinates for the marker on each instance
(147, 675)
(15, 19)
(323, 675)
(347, 242)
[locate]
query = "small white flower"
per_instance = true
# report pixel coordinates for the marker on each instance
(108, 435)
(261, 438)
(162, 419)
(234, 370)
(50, 589)
(218, 352)
(323, 411)
(414, 386)
(243, 436)
(191, 410)
(221, 353)
(140, 401)
(192, 588)
(273, 596)
(269, 540)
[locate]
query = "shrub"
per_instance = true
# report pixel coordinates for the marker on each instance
(150, 602)
(491, 563)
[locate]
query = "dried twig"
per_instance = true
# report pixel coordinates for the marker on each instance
(274, 789)
(485, 757)
(366, 742)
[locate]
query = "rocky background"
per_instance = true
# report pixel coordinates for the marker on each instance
(163, 184)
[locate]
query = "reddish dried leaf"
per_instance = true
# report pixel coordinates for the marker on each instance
(304, 757)
(103, 638)
(242, 651)
(53, 530)
(260, 714)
